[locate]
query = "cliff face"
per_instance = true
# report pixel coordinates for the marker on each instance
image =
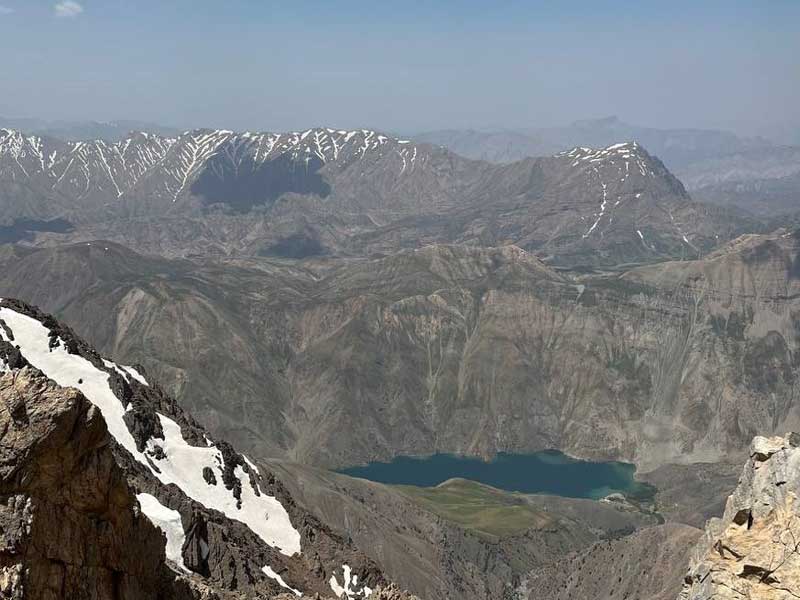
(69, 524)
(753, 551)
(109, 490)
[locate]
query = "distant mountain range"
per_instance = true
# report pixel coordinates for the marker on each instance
(676, 147)
(327, 297)
(78, 131)
(353, 193)
(750, 173)
(720, 167)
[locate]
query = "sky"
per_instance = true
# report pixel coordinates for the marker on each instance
(403, 66)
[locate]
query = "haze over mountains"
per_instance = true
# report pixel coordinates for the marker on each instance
(81, 131)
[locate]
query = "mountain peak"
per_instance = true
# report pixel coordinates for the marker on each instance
(631, 154)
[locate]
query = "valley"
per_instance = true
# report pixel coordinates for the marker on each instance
(382, 301)
(388, 299)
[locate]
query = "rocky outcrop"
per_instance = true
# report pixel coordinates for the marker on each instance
(95, 460)
(70, 526)
(753, 551)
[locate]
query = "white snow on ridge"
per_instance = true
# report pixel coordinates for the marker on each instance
(92, 167)
(273, 575)
(348, 589)
(602, 206)
(135, 374)
(263, 514)
(182, 464)
(168, 521)
(68, 370)
(120, 370)
(629, 152)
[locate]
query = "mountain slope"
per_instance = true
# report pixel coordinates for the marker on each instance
(69, 519)
(431, 350)
(326, 191)
(439, 559)
(225, 519)
(718, 167)
(582, 207)
(648, 564)
(156, 171)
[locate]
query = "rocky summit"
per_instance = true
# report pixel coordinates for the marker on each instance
(753, 550)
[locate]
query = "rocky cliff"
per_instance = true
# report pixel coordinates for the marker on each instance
(68, 518)
(109, 490)
(753, 551)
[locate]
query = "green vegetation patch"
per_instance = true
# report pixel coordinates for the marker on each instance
(482, 509)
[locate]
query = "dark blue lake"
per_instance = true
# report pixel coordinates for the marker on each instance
(547, 472)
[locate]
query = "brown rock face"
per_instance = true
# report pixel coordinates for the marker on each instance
(450, 349)
(753, 551)
(69, 524)
(72, 527)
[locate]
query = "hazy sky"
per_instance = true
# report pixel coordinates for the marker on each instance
(405, 65)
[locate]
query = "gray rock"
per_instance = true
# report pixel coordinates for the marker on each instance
(752, 551)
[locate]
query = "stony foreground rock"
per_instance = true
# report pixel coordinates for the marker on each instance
(69, 524)
(108, 490)
(753, 551)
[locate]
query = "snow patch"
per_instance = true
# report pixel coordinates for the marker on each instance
(183, 465)
(273, 575)
(168, 521)
(135, 374)
(348, 588)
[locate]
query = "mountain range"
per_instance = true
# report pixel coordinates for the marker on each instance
(352, 193)
(313, 300)
(755, 174)
(677, 361)
(719, 167)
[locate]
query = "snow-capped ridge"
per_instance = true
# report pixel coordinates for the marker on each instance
(100, 169)
(631, 155)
